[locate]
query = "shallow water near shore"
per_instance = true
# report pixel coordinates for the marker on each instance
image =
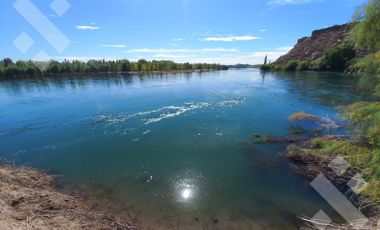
(168, 147)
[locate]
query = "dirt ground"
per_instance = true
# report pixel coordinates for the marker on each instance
(29, 200)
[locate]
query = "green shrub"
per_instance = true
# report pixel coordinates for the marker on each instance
(266, 67)
(337, 59)
(365, 118)
(303, 66)
(2, 69)
(368, 64)
(366, 32)
(291, 66)
(11, 71)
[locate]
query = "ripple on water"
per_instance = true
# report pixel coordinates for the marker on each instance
(127, 123)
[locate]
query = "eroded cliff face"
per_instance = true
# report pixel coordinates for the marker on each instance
(314, 47)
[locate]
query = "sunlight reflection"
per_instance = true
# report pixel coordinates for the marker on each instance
(186, 193)
(186, 187)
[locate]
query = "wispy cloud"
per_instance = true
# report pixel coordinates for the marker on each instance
(87, 27)
(231, 38)
(113, 45)
(178, 39)
(145, 50)
(264, 30)
(171, 56)
(210, 55)
(85, 58)
(290, 2)
(284, 48)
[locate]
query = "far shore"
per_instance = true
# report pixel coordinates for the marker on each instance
(109, 73)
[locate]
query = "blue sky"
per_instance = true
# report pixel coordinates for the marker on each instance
(217, 31)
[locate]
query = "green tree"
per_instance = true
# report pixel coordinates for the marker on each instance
(2, 69)
(7, 62)
(337, 59)
(366, 32)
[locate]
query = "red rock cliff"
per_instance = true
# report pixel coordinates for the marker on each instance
(314, 47)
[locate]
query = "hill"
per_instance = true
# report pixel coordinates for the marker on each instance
(316, 46)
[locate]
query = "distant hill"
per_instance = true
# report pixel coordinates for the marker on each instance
(316, 46)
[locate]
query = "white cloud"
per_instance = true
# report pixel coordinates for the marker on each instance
(231, 38)
(285, 48)
(210, 55)
(290, 2)
(87, 27)
(171, 56)
(145, 50)
(84, 58)
(178, 39)
(264, 30)
(113, 45)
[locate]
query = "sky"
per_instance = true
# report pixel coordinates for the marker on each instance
(212, 31)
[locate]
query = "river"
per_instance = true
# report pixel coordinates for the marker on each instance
(168, 147)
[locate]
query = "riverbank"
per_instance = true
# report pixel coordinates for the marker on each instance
(30, 69)
(50, 75)
(29, 200)
(307, 161)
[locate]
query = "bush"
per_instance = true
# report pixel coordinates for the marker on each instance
(365, 118)
(366, 32)
(337, 59)
(368, 64)
(265, 67)
(303, 66)
(11, 71)
(291, 66)
(2, 69)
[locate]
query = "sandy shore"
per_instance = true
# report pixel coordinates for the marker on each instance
(29, 200)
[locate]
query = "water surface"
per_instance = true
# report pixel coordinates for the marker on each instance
(168, 147)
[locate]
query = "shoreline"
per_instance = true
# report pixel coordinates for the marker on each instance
(20, 77)
(309, 165)
(30, 200)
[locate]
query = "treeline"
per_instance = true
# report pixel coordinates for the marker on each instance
(9, 68)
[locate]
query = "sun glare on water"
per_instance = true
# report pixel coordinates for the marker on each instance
(186, 193)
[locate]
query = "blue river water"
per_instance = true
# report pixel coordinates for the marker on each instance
(167, 147)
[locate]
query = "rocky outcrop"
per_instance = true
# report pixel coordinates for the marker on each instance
(314, 47)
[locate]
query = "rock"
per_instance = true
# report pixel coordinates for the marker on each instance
(316, 46)
(19, 216)
(271, 139)
(17, 201)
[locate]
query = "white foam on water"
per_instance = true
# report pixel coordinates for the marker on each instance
(119, 120)
(230, 103)
(175, 111)
(146, 132)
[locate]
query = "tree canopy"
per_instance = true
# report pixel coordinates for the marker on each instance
(367, 31)
(8, 68)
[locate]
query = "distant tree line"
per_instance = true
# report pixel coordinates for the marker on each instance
(9, 68)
